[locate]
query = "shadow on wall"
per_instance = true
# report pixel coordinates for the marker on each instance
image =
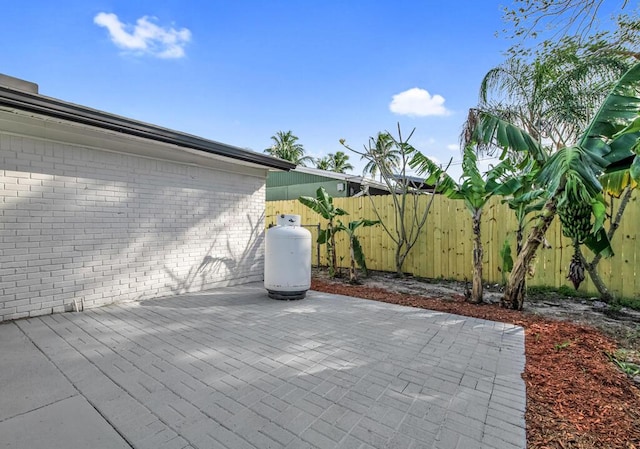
(215, 270)
(102, 226)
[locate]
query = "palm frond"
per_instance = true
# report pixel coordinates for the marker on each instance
(435, 174)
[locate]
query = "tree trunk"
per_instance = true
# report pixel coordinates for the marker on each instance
(519, 239)
(331, 251)
(476, 290)
(400, 257)
(513, 297)
(353, 275)
(592, 268)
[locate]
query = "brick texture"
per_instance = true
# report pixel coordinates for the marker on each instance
(81, 225)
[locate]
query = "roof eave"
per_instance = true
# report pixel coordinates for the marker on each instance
(80, 114)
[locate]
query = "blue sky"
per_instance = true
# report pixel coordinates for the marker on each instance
(238, 71)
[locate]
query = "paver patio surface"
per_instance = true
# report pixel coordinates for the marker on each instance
(231, 368)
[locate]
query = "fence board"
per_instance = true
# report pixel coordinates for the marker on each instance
(433, 248)
(444, 249)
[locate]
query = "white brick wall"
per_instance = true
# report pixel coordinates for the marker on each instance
(95, 226)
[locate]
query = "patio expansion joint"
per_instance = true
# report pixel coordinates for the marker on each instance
(93, 405)
(116, 356)
(168, 387)
(45, 405)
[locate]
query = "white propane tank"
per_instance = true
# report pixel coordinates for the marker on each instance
(287, 264)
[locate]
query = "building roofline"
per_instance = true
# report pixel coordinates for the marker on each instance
(325, 173)
(51, 107)
(342, 177)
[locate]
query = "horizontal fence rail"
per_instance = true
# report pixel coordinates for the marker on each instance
(444, 248)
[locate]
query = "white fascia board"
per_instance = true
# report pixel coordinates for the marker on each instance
(17, 122)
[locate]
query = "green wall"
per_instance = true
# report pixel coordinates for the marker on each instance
(292, 192)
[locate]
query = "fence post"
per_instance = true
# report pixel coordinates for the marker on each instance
(318, 246)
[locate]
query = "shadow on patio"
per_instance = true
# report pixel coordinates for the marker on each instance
(233, 368)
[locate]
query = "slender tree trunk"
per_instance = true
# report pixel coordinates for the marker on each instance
(519, 238)
(513, 297)
(476, 290)
(331, 250)
(400, 257)
(592, 267)
(353, 275)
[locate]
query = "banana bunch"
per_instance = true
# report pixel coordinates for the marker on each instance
(576, 271)
(575, 216)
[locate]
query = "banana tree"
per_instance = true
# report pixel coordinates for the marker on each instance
(356, 254)
(571, 175)
(523, 197)
(475, 191)
(322, 204)
(618, 182)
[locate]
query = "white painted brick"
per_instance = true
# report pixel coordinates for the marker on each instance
(28, 308)
(109, 227)
(15, 316)
(51, 304)
(15, 290)
(16, 174)
(23, 295)
(16, 303)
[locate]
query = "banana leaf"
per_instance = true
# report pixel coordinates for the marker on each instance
(492, 129)
(619, 109)
(358, 255)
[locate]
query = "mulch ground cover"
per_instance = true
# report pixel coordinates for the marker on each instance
(576, 397)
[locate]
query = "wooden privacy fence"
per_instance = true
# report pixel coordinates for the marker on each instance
(444, 248)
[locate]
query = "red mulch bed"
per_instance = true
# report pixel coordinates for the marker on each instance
(576, 397)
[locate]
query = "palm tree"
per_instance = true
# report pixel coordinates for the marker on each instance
(553, 98)
(286, 146)
(323, 163)
(382, 157)
(338, 162)
(571, 174)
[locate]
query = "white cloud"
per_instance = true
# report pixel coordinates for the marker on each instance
(453, 147)
(145, 37)
(418, 102)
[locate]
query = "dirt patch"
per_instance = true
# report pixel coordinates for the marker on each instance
(576, 396)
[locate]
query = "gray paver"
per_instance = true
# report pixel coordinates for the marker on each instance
(67, 424)
(231, 368)
(27, 379)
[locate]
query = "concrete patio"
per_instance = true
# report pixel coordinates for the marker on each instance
(231, 368)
